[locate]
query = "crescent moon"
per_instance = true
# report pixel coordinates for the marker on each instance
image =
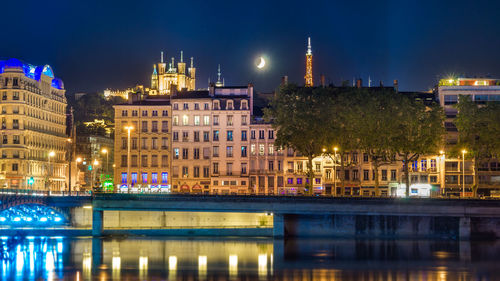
(262, 63)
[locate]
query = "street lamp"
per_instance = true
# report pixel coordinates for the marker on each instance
(49, 172)
(463, 172)
(94, 171)
(334, 171)
(104, 150)
(128, 128)
(442, 171)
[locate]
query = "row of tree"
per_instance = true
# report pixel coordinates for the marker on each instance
(385, 125)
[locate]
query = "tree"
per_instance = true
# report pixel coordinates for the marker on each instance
(419, 131)
(478, 131)
(297, 116)
(373, 114)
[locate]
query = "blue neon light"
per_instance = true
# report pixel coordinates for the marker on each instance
(32, 71)
(31, 215)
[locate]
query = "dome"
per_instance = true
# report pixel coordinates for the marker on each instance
(13, 63)
(57, 83)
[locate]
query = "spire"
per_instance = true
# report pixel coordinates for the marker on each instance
(182, 60)
(154, 69)
(218, 74)
(173, 64)
(219, 83)
(309, 50)
(161, 56)
(192, 62)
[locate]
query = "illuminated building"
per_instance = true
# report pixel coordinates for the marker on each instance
(149, 143)
(309, 65)
(109, 93)
(163, 78)
(34, 140)
(481, 90)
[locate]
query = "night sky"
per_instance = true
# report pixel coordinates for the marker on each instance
(93, 45)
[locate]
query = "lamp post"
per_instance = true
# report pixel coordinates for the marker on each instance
(49, 172)
(104, 150)
(95, 163)
(78, 160)
(128, 128)
(442, 171)
(463, 172)
(334, 171)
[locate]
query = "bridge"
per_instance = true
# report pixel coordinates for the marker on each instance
(277, 216)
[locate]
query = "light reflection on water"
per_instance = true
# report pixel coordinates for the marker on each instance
(57, 258)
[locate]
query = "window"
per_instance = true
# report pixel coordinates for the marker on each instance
(185, 153)
(134, 143)
(176, 106)
(164, 160)
(197, 120)
(154, 113)
(124, 161)
(215, 151)
(134, 113)
(230, 105)
(15, 167)
(229, 169)
(15, 96)
(175, 136)
(144, 126)
(196, 171)
(384, 175)
(185, 120)
(216, 105)
(355, 175)
(185, 106)
(144, 113)
(176, 153)
(365, 157)
(354, 158)
(229, 151)
(215, 168)
(216, 120)
(154, 178)
(243, 135)
(317, 167)
(206, 171)
(206, 136)
(270, 134)
(243, 151)
(196, 106)
(124, 113)
(16, 139)
(4, 139)
(261, 149)
(423, 165)
(243, 168)
(196, 136)
(206, 120)
(175, 120)
(433, 179)
(185, 171)
(262, 134)
(270, 149)
(230, 135)
(154, 126)
(450, 99)
(244, 105)
(205, 106)
(252, 149)
(164, 177)
(243, 120)
(299, 180)
(124, 178)
(134, 178)
(15, 124)
(164, 126)
(144, 177)
(196, 153)
(289, 180)
(216, 135)
(206, 153)
(4, 94)
(393, 175)
(433, 164)
(144, 160)
(270, 166)
(164, 113)
(230, 120)
(154, 160)
(144, 143)
(185, 136)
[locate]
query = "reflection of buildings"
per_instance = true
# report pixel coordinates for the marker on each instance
(481, 91)
(34, 140)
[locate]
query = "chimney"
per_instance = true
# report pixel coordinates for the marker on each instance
(284, 80)
(359, 83)
(322, 80)
(396, 85)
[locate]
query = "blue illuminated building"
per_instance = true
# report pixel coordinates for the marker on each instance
(32, 71)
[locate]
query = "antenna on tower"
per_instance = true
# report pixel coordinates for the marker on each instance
(218, 74)
(309, 49)
(182, 60)
(161, 56)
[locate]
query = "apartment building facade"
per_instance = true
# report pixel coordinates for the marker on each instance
(34, 141)
(148, 165)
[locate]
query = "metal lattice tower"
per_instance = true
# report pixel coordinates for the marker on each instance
(309, 63)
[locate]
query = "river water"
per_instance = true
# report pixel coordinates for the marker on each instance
(61, 258)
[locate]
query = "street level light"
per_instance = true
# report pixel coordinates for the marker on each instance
(463, 172)
(104, 150)
(334, 171)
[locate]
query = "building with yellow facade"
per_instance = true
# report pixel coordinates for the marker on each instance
(33, 131)
(164, 77)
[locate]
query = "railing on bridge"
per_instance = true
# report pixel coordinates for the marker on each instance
(6, 191)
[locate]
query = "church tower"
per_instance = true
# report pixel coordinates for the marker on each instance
(192, 75)
(154, 78)
(309, 64)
